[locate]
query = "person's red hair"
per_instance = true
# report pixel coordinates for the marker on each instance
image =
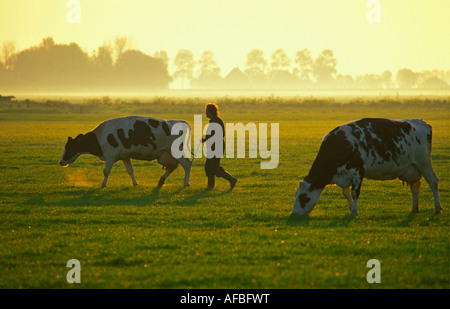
(212, 108)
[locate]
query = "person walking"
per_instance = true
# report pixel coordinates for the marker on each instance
(212, 165)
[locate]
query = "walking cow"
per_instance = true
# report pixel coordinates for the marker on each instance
(372, 148)
(126, 138)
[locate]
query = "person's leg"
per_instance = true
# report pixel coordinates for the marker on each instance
(230, 179)
(209, 170)
(220, 172)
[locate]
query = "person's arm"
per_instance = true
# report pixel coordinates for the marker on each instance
(208, 136)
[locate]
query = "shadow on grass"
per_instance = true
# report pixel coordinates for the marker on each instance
(119, 196)
(297, 220)
(192, 199)
(98, 197)
(407, 221)
(342, 222)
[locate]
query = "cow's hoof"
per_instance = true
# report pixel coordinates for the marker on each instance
(352, 214)
(437, 212)
(188, 185)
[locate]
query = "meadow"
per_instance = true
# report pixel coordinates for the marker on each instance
(175, 237)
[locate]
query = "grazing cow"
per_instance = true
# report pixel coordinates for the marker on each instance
(374, 148)
(126, 138)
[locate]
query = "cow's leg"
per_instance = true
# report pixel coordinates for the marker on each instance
(357, 174)
(106, 172)
(348, 196)
(356, 189)
(186, 164)
(129, 167)
(163, 178)
(432, 181)
(415, 186)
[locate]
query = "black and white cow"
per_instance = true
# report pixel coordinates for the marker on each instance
(126, 138)
(374, 148)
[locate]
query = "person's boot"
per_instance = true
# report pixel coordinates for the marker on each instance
(230, 179)
(211, 182)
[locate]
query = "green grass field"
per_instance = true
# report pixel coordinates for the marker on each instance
(175, 237)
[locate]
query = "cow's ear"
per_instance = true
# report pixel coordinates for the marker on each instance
(69, 139)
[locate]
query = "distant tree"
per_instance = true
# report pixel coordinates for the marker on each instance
(369, 81)
(8, 54)
(345, 81)
(446, 76)
(256, 63)
(162, 54)
(406, 78)
(48, 42)
(324, 69)
(4, 80)
(280, 76)
(51, 66)
(66, 67)
(255, 67)
(280, 61)
(122, 44)
(138, 71)
(208, 72)
(102, 72)
(305, 63)
(184, 65)
(103, 58)
(386, 79)
(434, 83)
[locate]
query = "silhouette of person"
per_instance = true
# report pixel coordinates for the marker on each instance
(212, 165)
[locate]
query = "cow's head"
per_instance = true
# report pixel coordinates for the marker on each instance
(306, 198)
(73, 149)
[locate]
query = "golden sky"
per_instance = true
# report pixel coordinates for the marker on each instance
(411, 33)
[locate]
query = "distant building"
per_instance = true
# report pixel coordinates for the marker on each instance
(236, 79)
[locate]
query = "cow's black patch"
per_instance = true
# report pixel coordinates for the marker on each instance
(141, 134)
(92, 144)
(303, 199)
(429, 138)
(382, 135)
(82, 143)
(112, 141)
(335, 151)
(166, 128)
(154, 123)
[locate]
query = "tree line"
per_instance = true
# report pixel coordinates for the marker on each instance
(50, 67)
(120, 66)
